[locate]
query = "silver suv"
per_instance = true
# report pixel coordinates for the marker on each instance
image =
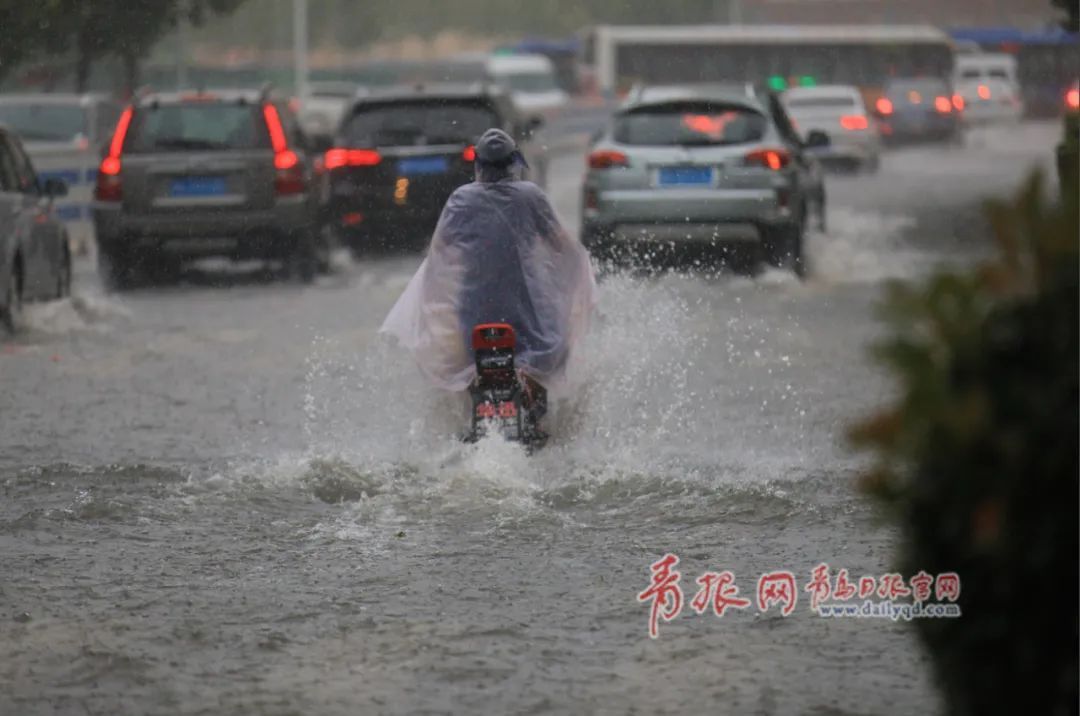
(714, 168)
(196, 174)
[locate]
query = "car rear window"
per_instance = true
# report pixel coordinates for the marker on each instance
(821, 102)
(45, 122)
(528, 81)
(197, 126)
(412, 123)
(689, 123)
(921, 88)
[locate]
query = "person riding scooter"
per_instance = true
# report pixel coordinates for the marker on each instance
(498, 255)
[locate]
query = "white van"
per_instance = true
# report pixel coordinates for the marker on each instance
(530, 80)
(987, 82)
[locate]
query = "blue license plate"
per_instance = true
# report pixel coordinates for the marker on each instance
(423, 165)
(197, 186)
(685, 176)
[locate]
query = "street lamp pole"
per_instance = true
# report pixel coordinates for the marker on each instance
(300, 48)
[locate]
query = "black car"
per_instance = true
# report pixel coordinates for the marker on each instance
(920, 109)
(400, 153)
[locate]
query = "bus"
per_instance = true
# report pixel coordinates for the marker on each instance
(1048, 62)
(619, 57)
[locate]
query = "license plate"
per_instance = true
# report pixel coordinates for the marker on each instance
(490, 411)
(197, 186)
(423, 165)
(685, 176)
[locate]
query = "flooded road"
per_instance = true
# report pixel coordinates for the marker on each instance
(235, 498)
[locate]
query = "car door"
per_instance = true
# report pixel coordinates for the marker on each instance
(40, 231)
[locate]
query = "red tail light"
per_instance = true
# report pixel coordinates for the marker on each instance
(108, 186)
(958, 102)
(884, 106)
(942, 105)
(469, 154)
(984, 92)
(338, 158)
(606, 159)
(290, 173)
(1072, 99)
(774, 159)
(854, 122)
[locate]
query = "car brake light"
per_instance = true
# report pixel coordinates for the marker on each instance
(943, 105)
(958, 102)
(984, 92)
(1072, 99)
(338, 158)
(854, 122)
(286, 160)
(884, 106)
(606, 159)
(108, 187)
(290, 173)
(774, 159)
(469, 154)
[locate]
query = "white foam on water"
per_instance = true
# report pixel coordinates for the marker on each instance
(864, 247)
(83, 311)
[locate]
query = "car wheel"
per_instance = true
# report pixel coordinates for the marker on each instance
(63, 280)
(304, 258)
(327, 244)
(784, 248)
(11, 311)
(116, 270)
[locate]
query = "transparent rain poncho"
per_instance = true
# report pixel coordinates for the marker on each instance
(498, 255)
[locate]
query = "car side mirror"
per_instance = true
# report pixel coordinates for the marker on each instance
(54, 188)
(532, 125)
(817, 140)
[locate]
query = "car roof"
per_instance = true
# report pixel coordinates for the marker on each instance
(249, 96)
(822, 91)
(56, 98)
(908, 81)
(429, 90)
(523, 62)
(728, 93)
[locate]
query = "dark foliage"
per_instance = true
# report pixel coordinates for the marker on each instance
(978, 459)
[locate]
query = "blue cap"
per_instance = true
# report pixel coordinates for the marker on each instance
(498, 148)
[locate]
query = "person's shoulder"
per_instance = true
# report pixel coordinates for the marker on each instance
(529, 189)
(462, 194)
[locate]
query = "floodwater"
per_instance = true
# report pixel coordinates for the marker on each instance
(231, 496)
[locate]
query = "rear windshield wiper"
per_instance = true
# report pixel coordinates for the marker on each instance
(702, 142)
(182, 143)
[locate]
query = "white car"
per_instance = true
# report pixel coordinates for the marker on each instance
(838, 112)
(987, 84)
(530, 80)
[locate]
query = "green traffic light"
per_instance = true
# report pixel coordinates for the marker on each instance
(777, 83)
(807, 81)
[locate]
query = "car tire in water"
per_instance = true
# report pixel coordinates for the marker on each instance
(11, 310)
(304, 257)
(63, 280)
(784, 247)
(116, 270)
